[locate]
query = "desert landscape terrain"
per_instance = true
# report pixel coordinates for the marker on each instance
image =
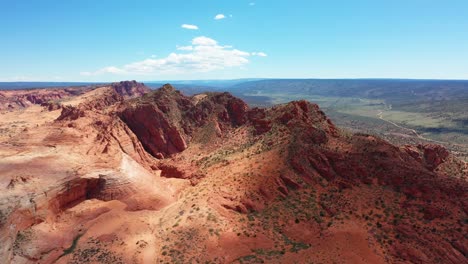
(119, 173)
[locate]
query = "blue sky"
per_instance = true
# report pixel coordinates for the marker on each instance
(110, 40)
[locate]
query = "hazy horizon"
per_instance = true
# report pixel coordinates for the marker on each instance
(235, 79)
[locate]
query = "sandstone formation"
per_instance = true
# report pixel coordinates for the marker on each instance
(14, 99)
(122, 174)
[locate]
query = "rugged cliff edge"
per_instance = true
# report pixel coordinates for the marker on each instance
(123, 174)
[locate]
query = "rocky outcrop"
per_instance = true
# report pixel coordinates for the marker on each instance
(113, 136)
(13, 99)
(165, 120)
(433, 155)
(130, 89)
(73, 192)
(52, 106)
(430, 155)
(157, 133)
(49, 97)
(71, 113)
(116, 93)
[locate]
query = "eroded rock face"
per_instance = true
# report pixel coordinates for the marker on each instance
(165, 120)
(430, 155)
(155, 131)
(72, 193)
(433, 155)
(71, 113)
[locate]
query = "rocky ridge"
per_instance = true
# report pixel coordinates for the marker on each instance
(17, 99)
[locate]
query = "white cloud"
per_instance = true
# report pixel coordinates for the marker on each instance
(220, 16)
(260, 54)
(184, 48)
(187, 26)
(204, 55)
(204, 41)
(110, 69)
